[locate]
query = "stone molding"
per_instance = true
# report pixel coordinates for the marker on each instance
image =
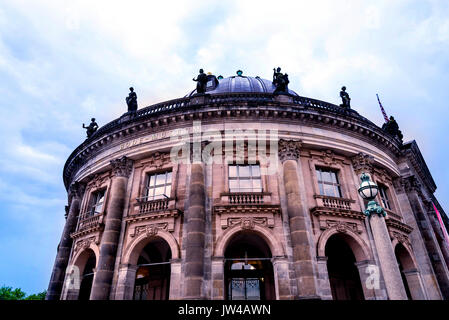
(151, 230)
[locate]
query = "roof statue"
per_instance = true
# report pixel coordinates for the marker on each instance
(280, 81)
(345, 98)
(392, 128)
(131, 100)
(91, 128)
(201, 82)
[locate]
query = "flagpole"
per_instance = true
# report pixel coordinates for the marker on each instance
(382, 109)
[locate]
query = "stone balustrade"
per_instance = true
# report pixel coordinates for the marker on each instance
(147, 206)
(333, 202)
(246, 198)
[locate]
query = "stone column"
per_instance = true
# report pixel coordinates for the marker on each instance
(387, 258)
(218, 281)
(371, 280)
(415, 284)
(437, 229)
(125, 282)
(281, 278)
(121, 169)
(195, 237)
(300, 237)
(323, 279)
(413, 188)
(76, 191)
(175, 279)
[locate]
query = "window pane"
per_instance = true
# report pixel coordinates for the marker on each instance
(244, 171)
(232, 171)
(245, 184)
(255, 171)
(257, 184)
(337, 191)
(326, 175)
(329, 190)
(320, 185)
(168, 191)
(151, 182)
(233, 184)
(168, 177)
(334, 177)
(100, 198)
(150, 193)
(159, 191)
(318, 174)
(160, 180)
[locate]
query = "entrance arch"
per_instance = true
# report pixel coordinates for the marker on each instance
(344, 276)
(80, 275)
(407, 267)
(152, 279)
(248, 268)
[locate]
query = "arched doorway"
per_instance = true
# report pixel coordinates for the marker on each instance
(344, 277)
(248, 268)
(153, 272)
(405, 263)
(87, 276)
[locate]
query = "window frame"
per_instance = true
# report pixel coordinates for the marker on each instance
(154, 187)
(94, 202)
(237, 177)
(385, 197)
(336, 186)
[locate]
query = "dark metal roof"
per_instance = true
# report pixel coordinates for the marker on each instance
(237, 84)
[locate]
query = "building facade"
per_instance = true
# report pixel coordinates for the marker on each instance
(240, 193)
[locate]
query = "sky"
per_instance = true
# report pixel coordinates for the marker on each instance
(64, 62)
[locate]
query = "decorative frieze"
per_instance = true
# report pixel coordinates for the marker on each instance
(289, 149)
(340, 226)
(85, 243)
(122, 167)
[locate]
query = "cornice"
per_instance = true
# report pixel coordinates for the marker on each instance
(263, 107)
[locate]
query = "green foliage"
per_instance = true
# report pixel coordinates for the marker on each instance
(8, 293)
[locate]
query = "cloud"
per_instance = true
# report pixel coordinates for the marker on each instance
(64, 62)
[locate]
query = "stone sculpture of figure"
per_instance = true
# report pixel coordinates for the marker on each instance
(131, 100)
(91, 128)
(345, 98)
(392, 128)
(201, 82)
(280, 81)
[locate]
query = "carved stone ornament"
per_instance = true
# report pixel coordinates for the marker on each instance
(122, 167)
(341, 226)
(402, 238)
(363, 163)
(151, 230)
(412, 184)
(329, 158)
(247, 223)
(289, 149)
(76, 190)
(85, 243)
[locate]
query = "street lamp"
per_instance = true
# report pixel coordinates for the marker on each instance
(368, 190)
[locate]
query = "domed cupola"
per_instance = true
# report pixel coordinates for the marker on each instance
(237, 84)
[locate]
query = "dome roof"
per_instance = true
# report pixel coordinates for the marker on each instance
(240, 83)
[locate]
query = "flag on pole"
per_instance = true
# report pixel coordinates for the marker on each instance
(382, 109)
(441, 223)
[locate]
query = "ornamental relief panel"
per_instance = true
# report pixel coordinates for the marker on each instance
(248, 223)
(85, 243)
(151, 230)
(340, 226)
(156, 161)
(401, 238)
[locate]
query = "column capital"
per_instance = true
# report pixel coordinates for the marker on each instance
(289, 149)
(76, 189)
(362, 162)
(412, 184)
(122, 167)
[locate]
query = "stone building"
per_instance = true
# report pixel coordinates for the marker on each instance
(273, 211)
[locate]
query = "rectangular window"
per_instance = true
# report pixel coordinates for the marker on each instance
(328, 183)
(158, 186)
(97, 202)
(383, 192)
(245, 178)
